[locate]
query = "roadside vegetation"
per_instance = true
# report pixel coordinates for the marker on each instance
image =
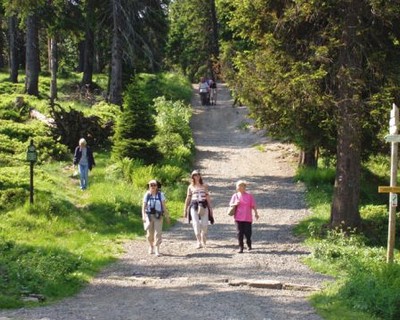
(51, 248)
(365, 286)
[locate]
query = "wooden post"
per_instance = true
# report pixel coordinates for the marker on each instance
(394, 120)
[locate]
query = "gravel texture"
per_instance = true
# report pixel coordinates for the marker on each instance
(215, 282)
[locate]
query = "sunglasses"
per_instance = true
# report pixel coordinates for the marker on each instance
(153, 185)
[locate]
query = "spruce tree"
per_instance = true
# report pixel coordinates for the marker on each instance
(136, 128)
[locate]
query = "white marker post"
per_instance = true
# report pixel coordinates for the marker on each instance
(394, 138)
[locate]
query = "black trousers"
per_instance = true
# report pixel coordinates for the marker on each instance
(243, 229)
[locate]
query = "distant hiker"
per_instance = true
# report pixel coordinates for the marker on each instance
(204, 90)
(153, 211)
(245, 203)
(198, 208)
(83, 158)
(213, 92)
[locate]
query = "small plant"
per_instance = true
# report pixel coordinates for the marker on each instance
(244, 126)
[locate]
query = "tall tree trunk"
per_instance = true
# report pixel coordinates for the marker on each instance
(214, 31)
(115, 95)
(88, 55)
(308, 158)
(32, 56)
(214, 39)
(2, 44)
(345, 211)
(81, 56)
(13, 43)
(53, 69)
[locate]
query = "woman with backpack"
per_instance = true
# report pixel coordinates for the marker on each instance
(153, 212)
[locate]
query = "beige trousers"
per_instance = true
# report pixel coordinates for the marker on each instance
(154, 231)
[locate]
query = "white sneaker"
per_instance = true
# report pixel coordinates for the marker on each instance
(198, 245)
(157, 252)
(151, 250)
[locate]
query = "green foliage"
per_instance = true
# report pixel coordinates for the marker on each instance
(366, 287)
(174, 135)
(148, 115)
(291, 50)
(136, 127)
(35, 270)
(189, 39)
(374, 288)
(315, 177)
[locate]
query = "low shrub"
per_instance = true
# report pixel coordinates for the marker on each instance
(373, 287)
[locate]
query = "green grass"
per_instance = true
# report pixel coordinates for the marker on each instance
(365, 286)
(54, 246)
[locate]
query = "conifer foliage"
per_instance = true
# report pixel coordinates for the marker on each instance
(136, 128)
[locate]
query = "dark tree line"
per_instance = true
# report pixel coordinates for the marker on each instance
(119, 37)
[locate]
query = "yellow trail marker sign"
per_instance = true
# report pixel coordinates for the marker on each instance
(384, 189)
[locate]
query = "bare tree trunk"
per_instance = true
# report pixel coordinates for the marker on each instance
(115, 95)
(214, 30)
(88, 54)
(32, 56)
(345, 211)
(308, 158)
(13, 42)
(81, 56)
(53, 69)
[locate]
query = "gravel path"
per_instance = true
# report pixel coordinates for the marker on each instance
(213, 282)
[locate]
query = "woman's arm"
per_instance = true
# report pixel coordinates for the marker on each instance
(165, 211)
(187, 201)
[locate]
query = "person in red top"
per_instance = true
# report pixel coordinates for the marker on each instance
(245, 204)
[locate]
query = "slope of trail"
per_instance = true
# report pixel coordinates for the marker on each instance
(190, 283)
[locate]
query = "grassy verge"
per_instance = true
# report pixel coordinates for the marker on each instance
(365, 287)
(53, 247)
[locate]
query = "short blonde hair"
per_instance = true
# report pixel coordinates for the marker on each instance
(82, 142)
(241, 183)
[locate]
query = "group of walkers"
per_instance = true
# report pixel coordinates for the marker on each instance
(208, 91)
(198, 211)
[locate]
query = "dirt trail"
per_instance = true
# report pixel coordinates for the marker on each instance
(190, 283)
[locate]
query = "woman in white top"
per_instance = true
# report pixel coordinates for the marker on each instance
(153, 211)
(198, 208)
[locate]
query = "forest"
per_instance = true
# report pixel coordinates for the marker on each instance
(322, 75)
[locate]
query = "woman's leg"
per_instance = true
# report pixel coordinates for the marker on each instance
(150, 234)
(83, 176)
(196, 225)
(247, 233)
(204, 227)
(240, 234)
(158, 234)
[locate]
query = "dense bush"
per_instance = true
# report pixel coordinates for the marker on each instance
(373, 287)
(148, 114)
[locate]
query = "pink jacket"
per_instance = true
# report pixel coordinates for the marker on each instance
(245, 207)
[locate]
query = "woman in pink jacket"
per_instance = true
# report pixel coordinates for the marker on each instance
(245, 204)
